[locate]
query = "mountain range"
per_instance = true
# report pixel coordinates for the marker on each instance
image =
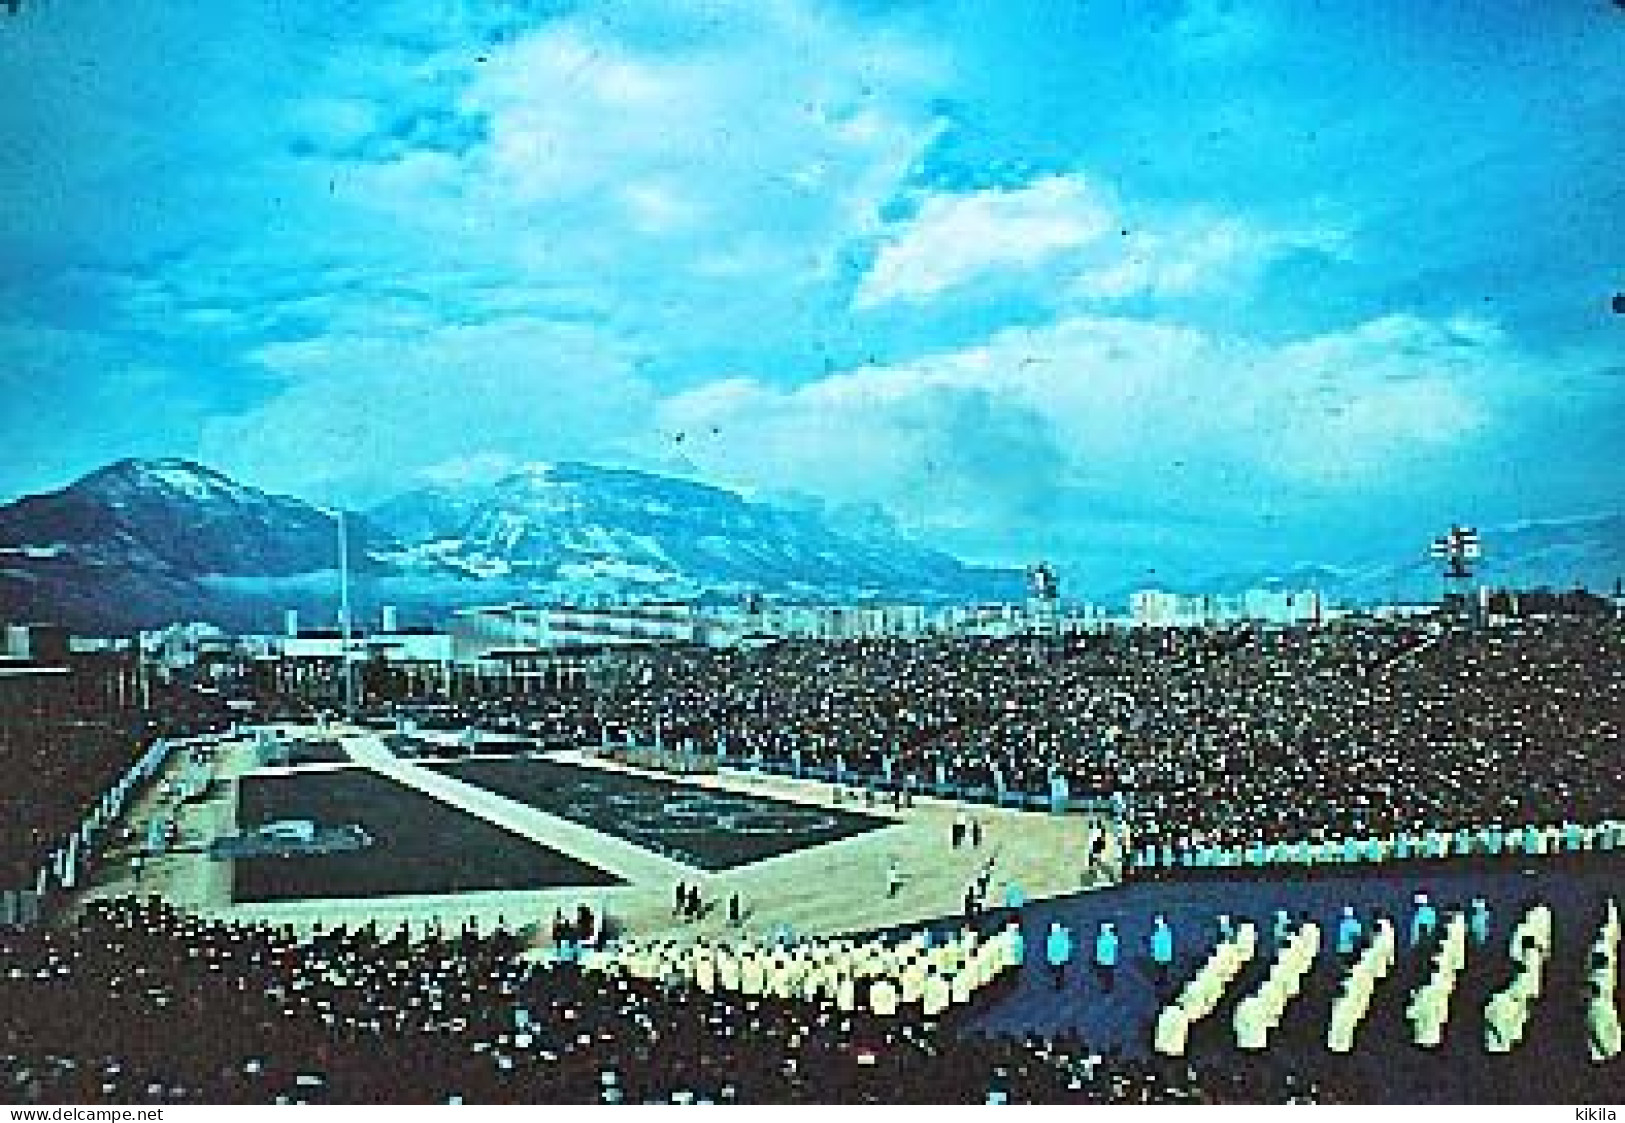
(1583, 551)
(140, 543)
(143, 543)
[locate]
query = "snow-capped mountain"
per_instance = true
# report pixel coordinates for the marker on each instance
(579, 526)
(182, 516)
(141, 543)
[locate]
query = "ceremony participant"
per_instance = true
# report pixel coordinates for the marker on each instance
(1424, 921)
(1504, 1018)
(1348, 933)
(1173, 1029)
(1479, 921)
(1251, 1021)
(1428, 1012)
(1106, 955)
(1162, 950)
(883, 997)
(1602, 1010)
(1283, 928)
(1058, 951)
(937, 995)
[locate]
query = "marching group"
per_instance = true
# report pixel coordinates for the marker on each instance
(918, 975)
(138, 1003)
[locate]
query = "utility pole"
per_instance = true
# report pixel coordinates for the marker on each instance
(344, 619)
(1459, 550)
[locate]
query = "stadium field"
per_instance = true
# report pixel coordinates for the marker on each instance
(421, 846)
(711, 830)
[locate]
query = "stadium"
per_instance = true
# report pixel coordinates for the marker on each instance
(1352, 862)
(797, 553)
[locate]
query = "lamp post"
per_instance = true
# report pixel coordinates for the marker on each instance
(1043, 606)
(1459, 550)
(344, 621)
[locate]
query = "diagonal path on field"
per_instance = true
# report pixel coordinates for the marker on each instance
(631, 863)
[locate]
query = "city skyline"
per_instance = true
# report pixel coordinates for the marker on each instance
(1190, 280)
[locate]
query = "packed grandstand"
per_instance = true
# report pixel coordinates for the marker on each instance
(1352, 860)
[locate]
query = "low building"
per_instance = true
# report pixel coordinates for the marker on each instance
(31, 693)
(843, 622)
(996, 621)
(1158, 608)
(498, 631)
(36, 643)
(47, 675)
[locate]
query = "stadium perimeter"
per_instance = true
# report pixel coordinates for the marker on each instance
(830, 887)
(840, 886)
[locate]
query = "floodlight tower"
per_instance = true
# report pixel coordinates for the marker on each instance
(344, 621)
(1043, 603)
(1459, 550)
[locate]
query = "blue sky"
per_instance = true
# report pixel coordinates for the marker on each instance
(1109, 282)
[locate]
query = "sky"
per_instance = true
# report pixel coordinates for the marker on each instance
(1109, 282)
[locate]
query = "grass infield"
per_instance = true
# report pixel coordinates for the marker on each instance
(712, 830)
(421, 846)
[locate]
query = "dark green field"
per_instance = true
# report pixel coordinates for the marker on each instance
(711, 830)
(420, 846)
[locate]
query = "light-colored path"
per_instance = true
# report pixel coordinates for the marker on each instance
(841, 886)
(187, 876)
(612, 855)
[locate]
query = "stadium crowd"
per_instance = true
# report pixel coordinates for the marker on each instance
(140, 1003)
(358, 1015)
(1211, 738)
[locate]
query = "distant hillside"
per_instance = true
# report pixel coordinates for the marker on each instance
(576, 526)
(1585, 551)
(141, 543)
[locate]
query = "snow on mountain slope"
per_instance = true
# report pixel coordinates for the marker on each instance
(140, 543)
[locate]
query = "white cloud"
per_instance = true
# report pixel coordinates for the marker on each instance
(1074, 241)
(474, 468)
(677, 170)
(957, 238)
(1192, 254)
(1126, 411)
(368, 413)
(615, 152)
(667, 183)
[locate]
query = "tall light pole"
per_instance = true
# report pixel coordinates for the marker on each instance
(1043, 608)
(1459, 550)
(344, 618)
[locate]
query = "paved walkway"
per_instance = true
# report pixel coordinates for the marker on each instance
(612, 855)
(840, 887)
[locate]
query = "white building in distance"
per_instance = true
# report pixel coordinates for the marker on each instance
(1156, 608)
